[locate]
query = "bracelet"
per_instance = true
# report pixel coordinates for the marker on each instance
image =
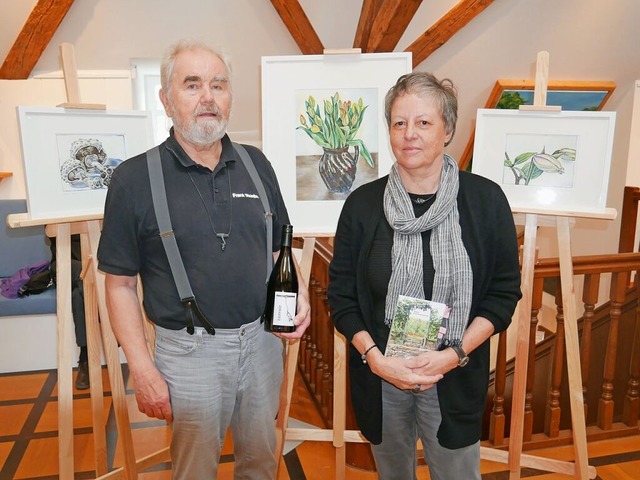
(364, 355)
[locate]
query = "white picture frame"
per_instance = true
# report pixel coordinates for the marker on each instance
(289, 81)
(569, 174)
(69, 155)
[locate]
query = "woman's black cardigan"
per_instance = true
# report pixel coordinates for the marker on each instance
(489, 236)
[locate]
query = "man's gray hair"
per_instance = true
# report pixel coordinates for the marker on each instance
(426, 85)
(169, 60)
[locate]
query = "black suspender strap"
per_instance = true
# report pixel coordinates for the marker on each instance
(161, 208)
(159, 196)
(268, 214)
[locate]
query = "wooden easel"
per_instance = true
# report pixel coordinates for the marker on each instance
(98, 332)
(99, 329)
(514, 457)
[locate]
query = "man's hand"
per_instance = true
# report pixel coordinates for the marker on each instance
(302, 318)
(152, 394)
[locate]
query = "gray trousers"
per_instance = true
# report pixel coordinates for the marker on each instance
(230, 379)
(407, 416)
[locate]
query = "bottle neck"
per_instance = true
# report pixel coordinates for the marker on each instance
(287, 236)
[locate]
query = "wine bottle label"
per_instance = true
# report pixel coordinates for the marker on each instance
(284, 308)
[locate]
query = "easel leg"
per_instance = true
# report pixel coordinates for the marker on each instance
(114, 368)
(340, 365)
(523, 316)
(95, 371)
(286, 392)
(572, 350)
(65, 348)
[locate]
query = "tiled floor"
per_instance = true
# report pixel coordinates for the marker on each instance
(29, 442)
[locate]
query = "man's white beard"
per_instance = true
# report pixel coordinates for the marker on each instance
(203, 133)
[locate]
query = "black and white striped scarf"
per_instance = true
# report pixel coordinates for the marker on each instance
(453, 282)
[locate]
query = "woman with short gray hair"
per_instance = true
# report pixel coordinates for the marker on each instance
(427, 231)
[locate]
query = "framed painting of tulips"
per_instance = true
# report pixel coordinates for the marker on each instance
(569, 95)
(547, 162)
(324, 131)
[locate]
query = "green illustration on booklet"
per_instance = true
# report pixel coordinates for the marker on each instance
(418, 326)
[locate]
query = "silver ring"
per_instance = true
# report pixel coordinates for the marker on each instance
(417, 389)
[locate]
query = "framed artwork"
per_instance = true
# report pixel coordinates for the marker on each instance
(69, 156)
(569, 95)
(324, 131)
(547, 162)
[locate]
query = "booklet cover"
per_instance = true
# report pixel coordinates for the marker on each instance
(418, 326)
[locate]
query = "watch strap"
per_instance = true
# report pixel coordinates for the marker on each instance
(463, 358)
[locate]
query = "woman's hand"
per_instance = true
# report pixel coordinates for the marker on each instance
(434, 362)
(401, 373)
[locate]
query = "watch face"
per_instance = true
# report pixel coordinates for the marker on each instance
(463, 361)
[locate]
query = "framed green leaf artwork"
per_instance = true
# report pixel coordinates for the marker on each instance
(582, 96)
(547, 162)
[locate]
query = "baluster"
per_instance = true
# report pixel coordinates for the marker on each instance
(553, 411)
(330, 401)
(329, 378)
(630, 413)
(325, 389)
(590, 298)
(305, 341)
(313, 362)
(497, 420)
(320, 342)
(302, 353)
(313, 354)
(327, 352)
(536, 305)
(606, 404)
(317, 377)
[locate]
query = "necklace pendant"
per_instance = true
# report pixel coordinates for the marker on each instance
(222, 237)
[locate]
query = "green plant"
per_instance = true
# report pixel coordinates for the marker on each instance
(338, 128)
(530, 165)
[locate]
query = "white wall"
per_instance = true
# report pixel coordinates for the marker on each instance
(586, 39)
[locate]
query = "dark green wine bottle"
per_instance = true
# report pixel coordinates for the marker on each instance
(282, 289)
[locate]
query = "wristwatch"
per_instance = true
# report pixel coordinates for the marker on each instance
(463, 358)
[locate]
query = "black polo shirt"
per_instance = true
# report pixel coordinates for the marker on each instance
(229, 285)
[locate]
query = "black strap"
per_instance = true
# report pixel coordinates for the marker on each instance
(262, 193)
(161, 207)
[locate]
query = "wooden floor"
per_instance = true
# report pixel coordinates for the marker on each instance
(29, 443)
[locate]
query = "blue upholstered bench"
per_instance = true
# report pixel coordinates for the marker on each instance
(21, 247)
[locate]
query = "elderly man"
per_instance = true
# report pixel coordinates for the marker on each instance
(218, 368)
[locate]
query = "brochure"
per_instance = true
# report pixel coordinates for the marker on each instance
(418, 326)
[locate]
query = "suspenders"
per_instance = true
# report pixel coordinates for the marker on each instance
(161, 207)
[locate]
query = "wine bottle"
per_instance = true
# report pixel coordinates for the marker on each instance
(282, 289)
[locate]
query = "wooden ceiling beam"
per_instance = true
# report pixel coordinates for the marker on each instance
(445, 28)
(389, 24)
(299, 26)
(37, 32)
(370, 9)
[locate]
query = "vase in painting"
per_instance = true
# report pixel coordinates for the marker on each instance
(338, 168)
